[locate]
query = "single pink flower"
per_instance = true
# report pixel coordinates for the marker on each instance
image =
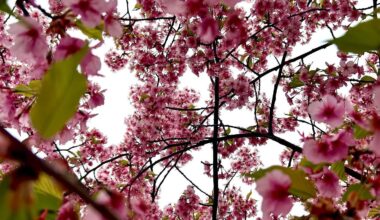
(327, 183)
(208, 30)
(111, 22)
(67, 46)
(90, 64)
(89, 10)
(175, 7)
(329, 149)
(328, 110)
(274, 187)
(29, 42)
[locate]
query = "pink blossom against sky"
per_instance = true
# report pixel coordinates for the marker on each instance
(328, 110)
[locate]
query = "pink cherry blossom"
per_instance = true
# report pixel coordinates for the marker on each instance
(328, 110)
(327, 183)
(89, 10)
(163, 40)
(375, 127)
(208, 30)
(90, 64)
(112, 24)
(29, 41)
(175, 7)
(376, 100)
(329, 149)
(273, 187)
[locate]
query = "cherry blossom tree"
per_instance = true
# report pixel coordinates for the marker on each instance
(66, 170)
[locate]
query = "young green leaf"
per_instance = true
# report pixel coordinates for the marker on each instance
(4, 7)
(360, 133)
(61, 89)
(339, 169)
(367, 79)
(28, 90)
(361, 190)
(296, 82)
(374, 212)
(93, 33)
(48, 195)
(361, 38)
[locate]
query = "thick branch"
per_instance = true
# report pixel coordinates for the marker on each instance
(274, 96)
(215, 143)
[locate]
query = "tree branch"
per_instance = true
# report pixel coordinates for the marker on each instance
(274, 96)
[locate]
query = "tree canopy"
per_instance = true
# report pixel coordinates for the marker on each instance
(66, 170)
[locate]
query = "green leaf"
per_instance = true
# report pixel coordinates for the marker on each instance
(360, 133)
(228, 143)
(4, 7)
(28, 90)
(315, 167)
(301, 187)
(374, 212)
(124, 163)
(367, 79)
(251, 128)
(296, 82)
(94, 33)
(362, 191)
(61, 90)
(137, 7)
(361, 38)
(227, 131)
(372, 65)
(197, 216)
(45, 185)
(48, 195)
(248, 195)
(339, 169)
(249, 61)
(143, 97)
